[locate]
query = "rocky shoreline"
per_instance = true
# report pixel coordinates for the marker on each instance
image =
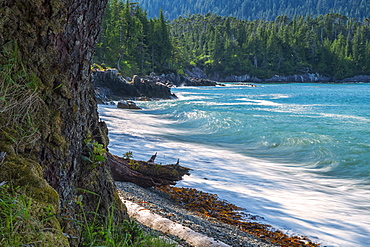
(159, 203)
(158, 209)
(109, 85)
(301, 78)
(298, 78)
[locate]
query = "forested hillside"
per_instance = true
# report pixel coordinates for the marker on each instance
(132, 42)
(261, 9)
(332, 45)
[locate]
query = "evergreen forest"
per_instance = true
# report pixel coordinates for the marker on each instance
(132, 42)
(330, 45)
(255, 10)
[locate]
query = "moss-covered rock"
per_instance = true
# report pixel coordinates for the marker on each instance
(37, 204)
(27, 174)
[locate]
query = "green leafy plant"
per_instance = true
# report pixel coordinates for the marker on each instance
(20, 225)
(128, 155)
(95, 152)
(134, 165)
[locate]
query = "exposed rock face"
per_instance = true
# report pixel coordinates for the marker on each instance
(243, 78)
(359, 78)
(152, 88)
(299, 78)
(181, 80)
(277, 79)
(309, 77)
(110, 85)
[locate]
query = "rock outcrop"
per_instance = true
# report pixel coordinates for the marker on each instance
(151, 88)
(358, 78)
(127, 104)
(181, 80)
(110, 85)
(196, 73)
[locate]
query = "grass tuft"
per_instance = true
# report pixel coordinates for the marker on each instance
(20, 101)
(20, 225)
(114, 234)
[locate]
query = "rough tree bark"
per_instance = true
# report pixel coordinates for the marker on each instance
(56, 39)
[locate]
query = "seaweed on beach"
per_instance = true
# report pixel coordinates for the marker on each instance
(209, 205)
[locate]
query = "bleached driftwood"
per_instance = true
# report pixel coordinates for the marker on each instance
(157, 222)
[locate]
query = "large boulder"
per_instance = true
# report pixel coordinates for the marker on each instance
(194, 81)
(152, 88)
(127, 104)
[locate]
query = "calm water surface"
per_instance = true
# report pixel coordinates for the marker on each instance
(295, 154)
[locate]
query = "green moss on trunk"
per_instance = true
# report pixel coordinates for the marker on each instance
(48, 47)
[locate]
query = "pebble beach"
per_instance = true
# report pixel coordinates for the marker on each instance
(158, 202)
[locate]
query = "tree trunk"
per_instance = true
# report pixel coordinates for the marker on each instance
(56, 40)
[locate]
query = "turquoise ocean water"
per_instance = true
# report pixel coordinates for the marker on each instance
(297, 155)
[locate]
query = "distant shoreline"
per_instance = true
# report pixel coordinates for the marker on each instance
(305, 78)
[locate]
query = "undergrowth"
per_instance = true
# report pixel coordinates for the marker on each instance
(20, 101)
(114, 234)
(20, 225)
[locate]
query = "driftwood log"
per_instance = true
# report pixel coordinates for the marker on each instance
(145, 173)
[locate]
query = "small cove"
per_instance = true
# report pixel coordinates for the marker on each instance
(295, 154)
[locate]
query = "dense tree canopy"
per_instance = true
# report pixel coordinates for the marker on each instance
(131, 42)
(262, 9)
(330, 45)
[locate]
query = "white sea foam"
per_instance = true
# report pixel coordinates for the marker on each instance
(346, 117)
(259, 102)
(334, 212)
